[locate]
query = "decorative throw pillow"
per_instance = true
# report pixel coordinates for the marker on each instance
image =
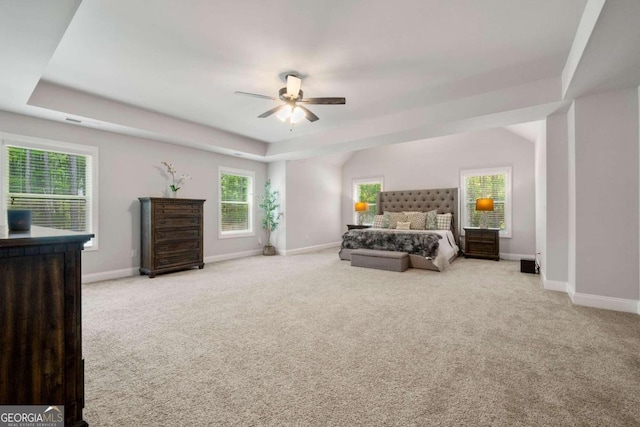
(386, 216)
(403, 225)
(444, 221)
(432, 220)
(394, 217)
(378, 220)
(417, 219)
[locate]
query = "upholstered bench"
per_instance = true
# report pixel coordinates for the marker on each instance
(382, 260)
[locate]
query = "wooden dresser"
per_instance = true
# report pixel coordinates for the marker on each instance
(171, 234)
(40, 320)
(482, 243)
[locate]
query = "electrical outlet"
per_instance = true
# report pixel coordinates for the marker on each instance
(134, 253)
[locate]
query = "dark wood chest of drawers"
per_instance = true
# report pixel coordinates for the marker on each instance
(482, 243)
(171, 234)
(40, 320)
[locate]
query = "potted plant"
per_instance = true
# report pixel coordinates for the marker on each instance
(176, 182)
(270, 218)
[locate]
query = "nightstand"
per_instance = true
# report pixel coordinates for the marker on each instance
(357, 226)
(482, 243)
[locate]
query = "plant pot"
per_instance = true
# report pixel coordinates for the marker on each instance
(19, 219)
(269, 250)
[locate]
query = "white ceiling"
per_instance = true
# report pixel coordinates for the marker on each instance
(409, 69)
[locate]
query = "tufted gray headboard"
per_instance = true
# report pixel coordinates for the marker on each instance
(445, 200)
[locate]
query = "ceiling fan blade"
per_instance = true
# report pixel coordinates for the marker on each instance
(293, 85)
(255, 95)
(326, 101)
(310, 116)
(272, 111)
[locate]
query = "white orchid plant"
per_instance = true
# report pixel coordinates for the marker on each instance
(177, 181)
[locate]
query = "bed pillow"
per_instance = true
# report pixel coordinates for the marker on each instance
(431, 222)
(401, 225)
(391, 219)
(417, 219)
(378, 220)
(385, 219)
(444, 221)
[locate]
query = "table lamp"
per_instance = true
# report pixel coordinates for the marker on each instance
(484, 205)
(361, 207)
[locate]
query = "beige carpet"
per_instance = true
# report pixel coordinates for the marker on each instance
(308, 340)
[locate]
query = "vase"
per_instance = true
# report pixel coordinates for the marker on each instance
(269, 250)
(19, 219)
(173, 194)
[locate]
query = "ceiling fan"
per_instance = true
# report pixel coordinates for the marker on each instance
(292, 95)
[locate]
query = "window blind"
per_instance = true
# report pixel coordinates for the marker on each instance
(55, 186)
(492, 186)
(235, 202)
(367, 192)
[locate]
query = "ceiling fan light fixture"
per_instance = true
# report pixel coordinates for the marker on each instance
(284, 113)
(297, 115)
(290, 111)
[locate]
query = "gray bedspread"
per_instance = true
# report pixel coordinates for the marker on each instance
(416, 243)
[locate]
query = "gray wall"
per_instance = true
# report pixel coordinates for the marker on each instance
(436, 163)
(606, 194)
(541, 196)
(313, 203)
(130, 168)
(557, 204)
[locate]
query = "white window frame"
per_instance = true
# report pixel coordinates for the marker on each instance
(507, 232)
(250, 200)
(7, 139)
(354, 192)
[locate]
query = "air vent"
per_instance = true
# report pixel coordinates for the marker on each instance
(69, 119)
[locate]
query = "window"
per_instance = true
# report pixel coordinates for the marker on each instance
(236, 203)
(57, 181)
(493, 183)
(366, 190)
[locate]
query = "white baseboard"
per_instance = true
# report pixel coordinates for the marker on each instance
(128, 272)
(588, 300)
(515, 257)
(608, 303)
(553, 285)
(235, 255)
(310, 249)
(109, 275)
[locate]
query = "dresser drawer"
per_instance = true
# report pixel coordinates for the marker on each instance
(163, 235)
(181, 258)
(482, 248)
(177, 221)
(171, 247)
(481, 236)
(177, 209)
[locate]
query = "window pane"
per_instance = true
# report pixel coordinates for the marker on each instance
(235, 202)
(368, 193)
(235, 217)
(492, 186)
(55, 186)
(234, 188)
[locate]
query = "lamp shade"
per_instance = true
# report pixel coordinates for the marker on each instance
(484, 204)
(361, 207)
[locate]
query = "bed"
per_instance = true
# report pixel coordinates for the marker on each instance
(428, 249)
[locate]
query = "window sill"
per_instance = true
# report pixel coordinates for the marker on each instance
(234, 235)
